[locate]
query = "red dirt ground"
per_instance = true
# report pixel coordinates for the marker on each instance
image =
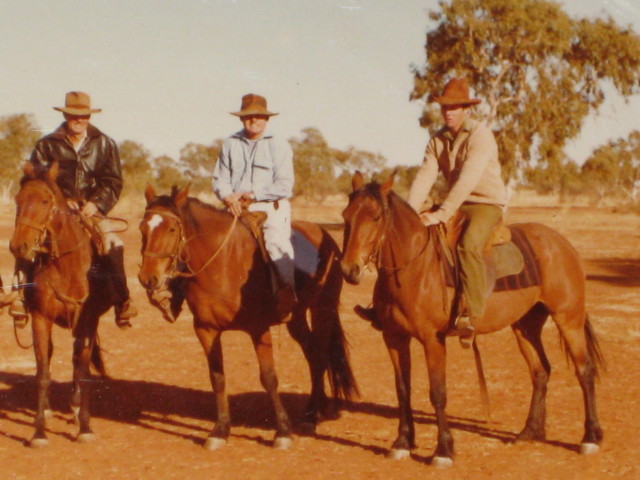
(154, 413)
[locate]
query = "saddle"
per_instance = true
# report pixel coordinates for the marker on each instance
(508, 257)
(254, 221)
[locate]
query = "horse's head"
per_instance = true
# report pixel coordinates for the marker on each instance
(365, 221)
(37, 202)
(162, 236)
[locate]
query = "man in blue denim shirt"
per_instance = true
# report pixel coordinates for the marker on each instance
(256, 168)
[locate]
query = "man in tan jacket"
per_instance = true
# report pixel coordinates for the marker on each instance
(466, 153)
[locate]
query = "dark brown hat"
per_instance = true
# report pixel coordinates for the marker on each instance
(77, 103)
(456, 92)
(253, 105)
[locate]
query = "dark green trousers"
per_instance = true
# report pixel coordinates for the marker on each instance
(481, 220)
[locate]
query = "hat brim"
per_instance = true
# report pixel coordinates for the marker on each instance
(246, 113)
(78, 111)
(456, 101)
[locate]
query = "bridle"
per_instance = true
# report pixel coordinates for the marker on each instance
(180, 254)
(45, 229)
(375, 257)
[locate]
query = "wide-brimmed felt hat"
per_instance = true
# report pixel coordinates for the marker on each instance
(77, 103)
(253, 104)
(456, 92)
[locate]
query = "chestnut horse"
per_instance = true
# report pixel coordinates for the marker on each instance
(228, 287)
(56, 251)
(410, 301)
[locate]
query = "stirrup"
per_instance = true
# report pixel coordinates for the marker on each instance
(368, 314)
(465, 330)
(124, 313)
(19, 313)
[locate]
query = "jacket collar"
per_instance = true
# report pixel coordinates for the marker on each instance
(240, 134)
(60, 133)
(467, 126)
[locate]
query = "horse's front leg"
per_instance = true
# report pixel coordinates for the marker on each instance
(82, 347)
(399, 351)
(264, 350)
(42, 347)
(436, 354)
(210, 340)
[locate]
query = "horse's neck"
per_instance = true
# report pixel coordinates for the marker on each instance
(70, 240)
(407, 242)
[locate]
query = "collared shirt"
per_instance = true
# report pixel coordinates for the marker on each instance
(264, 167)
(469, 163)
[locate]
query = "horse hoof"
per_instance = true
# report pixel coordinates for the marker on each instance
(48, 414)
(86, 438)
(398, 454)
(442, 462)
(214, 443)
(589, 448)
(39, 443)
(282, 443)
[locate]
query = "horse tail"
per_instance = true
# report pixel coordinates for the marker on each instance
(341, 378)
(596, 356)
(96, 359)
(593, 347)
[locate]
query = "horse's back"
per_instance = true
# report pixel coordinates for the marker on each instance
(561, 271)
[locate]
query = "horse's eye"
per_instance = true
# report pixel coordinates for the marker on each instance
(172, 230)
(377, 218)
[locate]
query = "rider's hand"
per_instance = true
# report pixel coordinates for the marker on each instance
(428, 218)
(89, 209)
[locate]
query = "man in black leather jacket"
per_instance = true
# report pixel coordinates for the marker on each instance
(91, 180)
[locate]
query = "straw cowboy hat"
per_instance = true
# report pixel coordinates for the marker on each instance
(456, 92)
(253, 105)
(77, 103)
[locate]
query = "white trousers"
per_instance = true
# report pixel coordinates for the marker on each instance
(277, 236)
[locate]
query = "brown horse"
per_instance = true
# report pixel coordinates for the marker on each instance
(54, 248)
(410, 300)
(228, 287)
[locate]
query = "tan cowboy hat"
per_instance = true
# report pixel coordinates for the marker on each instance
(77, 103)
(253, 104)
(456, 92)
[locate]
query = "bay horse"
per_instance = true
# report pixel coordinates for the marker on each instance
(227, 287)
(55, 249)
(410, 300)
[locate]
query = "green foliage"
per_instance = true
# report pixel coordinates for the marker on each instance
(539, 72)
(136, 166)
(614, 168)
(197, 162)
(18, 136)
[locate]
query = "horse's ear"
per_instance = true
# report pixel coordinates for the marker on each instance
(180, 196)
(29, 170)
(357, 181)
(52, 172)
(385, 188)
(149, 193)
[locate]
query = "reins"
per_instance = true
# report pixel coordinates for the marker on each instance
(181, 253)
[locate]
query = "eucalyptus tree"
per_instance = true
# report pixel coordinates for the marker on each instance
(539, 71)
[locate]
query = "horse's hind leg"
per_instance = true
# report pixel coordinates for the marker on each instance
(583, 348)
(264, 349)
(43, 348)
(313, 344)
(528, 333)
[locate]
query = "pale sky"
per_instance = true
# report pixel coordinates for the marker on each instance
(168, 72)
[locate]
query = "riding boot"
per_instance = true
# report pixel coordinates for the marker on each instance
(123, 306)
(465, 330)
(368, 314)
(286, 301)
